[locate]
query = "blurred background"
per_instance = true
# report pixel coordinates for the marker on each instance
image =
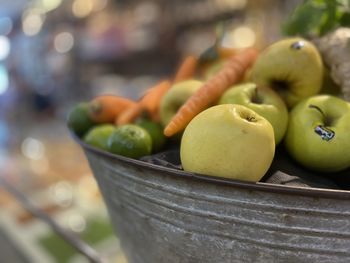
(56, 53)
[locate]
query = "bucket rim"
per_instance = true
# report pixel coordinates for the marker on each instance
(258, 186)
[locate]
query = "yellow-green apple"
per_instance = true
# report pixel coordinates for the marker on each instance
(318, 133)
(214, 68)
(263, 101)
(230, 141)
(291, 66)
(175, 98)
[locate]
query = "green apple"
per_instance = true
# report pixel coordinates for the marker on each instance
(175, 98)
(318, 133)
(292, 66)
(230, 141)
(263, 101)
(214, 68)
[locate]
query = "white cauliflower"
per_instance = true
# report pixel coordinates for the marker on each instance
(335, 50)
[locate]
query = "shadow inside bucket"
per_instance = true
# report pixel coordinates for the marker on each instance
(284, 170)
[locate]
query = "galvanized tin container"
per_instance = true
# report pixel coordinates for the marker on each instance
(165, 215)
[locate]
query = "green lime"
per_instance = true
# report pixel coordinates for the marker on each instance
(131, 141)
(78, 119)
(156, 131)
(98, 135)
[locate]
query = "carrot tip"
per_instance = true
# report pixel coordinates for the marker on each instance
(169, 131)
(166, 133)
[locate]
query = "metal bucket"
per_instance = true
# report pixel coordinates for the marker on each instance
(165, 215)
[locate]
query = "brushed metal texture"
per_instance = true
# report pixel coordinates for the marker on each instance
(164, 215)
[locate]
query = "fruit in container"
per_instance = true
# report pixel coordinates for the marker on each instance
(213, 69)
(98, 135)
(210, 92)
(78, 119)
(105, 108)
(176, 97)
(130, 140)
(155, 130)
(148, 105)
(263, 101)
(230, 141)
(291, 66)
(318, 133)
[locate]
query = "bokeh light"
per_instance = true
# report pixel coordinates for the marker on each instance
(62, 193)
(33, 148)
(32, 21)
(63, 42)
(82, 8)
(4, 47)
(99, 5)
(240, 37)
(4, 80)
(49, 5)
(76, 222)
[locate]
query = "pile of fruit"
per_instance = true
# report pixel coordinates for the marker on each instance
(228, 110)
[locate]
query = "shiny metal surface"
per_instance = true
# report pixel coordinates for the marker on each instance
(165, 215)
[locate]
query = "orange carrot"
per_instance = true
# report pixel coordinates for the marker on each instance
(105, 108)
(226, 52)
(210, 92)
(149, 103)
(186, 69)
(130, 114)
(151, 100)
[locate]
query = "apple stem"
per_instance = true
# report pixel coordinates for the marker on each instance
(327, 121)
(318, 109)
(256, 98)
(251, 119)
